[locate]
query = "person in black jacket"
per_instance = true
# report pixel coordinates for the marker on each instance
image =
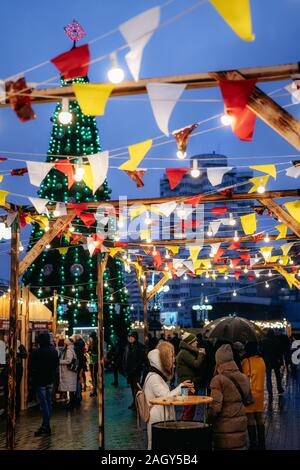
(79, 348)
(21, 355)
(44, 363)
(273, 357)
(133, 362)
(117, 357)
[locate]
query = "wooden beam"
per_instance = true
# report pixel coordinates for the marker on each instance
(192, 81)
(59, 225)
(54, 316)
(13, 334)
(268, 110)
(25, 341)
(283, 272)
(157, 286)
(284, 216)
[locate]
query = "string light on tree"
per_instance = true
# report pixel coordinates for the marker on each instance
(65, 117)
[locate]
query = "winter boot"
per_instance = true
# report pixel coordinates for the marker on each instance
(252, 437)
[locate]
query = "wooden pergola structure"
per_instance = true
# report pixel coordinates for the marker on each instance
(261, 104)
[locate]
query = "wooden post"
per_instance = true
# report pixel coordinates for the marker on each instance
(13, 334)
(54, 316)
(25, 342)
(101, 265)
(145, 306)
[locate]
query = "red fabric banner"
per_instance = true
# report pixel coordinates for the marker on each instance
(88, 219)
(194, 200)
(219, 210)
(19, 171)
(78, 208)
(245, 257)
(20, 103)
(67, 168)
(234, 245)
(175, 175)
(236, 94)
(157, 259)
(75, 238)
(251, 277)
(235, 262)
(219, 254)
(73, 63)
(23, 222)
(237, 274)
(3, 159)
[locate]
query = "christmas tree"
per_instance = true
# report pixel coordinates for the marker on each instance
(68, 267)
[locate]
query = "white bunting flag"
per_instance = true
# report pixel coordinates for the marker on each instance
(215, 175)
(137, 32)
(178, 263)
(293, 171)
(215, 247)
(184, 212)
(214, 226)
(163, 98)
(2, 91)
(90, 245)
(99, 166)
(39, 204)
(10, 218)
(180, 272)
(294, 90)
(166, 208)
(286, 248)
(37, 171)
(189, 265)
(61, 209)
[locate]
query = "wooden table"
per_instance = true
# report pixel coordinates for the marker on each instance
(180, 401)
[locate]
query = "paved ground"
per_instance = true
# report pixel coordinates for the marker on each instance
(78, 429)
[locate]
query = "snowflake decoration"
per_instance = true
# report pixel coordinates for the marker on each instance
(74, 31)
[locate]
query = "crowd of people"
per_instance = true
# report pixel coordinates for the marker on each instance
(233, 374)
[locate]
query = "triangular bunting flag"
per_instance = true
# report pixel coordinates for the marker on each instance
(99, 165)
(293, 171)
(92, 98)
(293, 209)
(63, 250)
(39, 204)
(266, 251)
(137, 32)
(165, 209)
(248, 223)
(3, 195)
(87, 218)
(257, 181)
(66, 167)
(136, 153)
(137, 177)
(215, 174)
(73, 63)
(282, 229)
(237, 14)
(175, 175)
(163, 98)
(269, 169)
(37, 171)
(194, 252)
(286, 248)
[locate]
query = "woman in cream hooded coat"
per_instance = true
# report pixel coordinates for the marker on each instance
(161, 370)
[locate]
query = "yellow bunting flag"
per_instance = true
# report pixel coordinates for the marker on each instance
(88, 176)
(3, 195)
(266, 251)
(1, 178)
(138, 267)
(282, 229)
(136, 211)
(41, 220)
(249, 223)
(258, 181)
(173, 249)
(194, 252)
(63, 250)
(269, 169)
(284, 260)
(206, 263)
(293, 209)
(114, 251)
(274, 259)
(68, 235)
(136, 153)
(289, 277)
(145, 234)
(92, 99)
(197, 264)
(237, 14)
(286, 248)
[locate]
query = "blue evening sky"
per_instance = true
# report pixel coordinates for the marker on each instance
(32, 32)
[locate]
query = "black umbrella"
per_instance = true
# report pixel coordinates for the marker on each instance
(233, 329)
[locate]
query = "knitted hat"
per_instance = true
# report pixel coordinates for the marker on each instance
(224, 354)
(188, 338)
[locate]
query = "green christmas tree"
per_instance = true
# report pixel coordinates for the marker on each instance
(66, 267)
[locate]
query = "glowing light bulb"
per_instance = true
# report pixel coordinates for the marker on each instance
(149, 240)
(154, 252)
(236, 237)
(115, 73)
(65, 117)
(226, 277)
(124, 256)
(132, 307)
(281, 261)
(79, 174)
(267, 238)
(72, 229)
(47, 228)
(270, 273)
(206, 300)
(48, 246)
(73, 289)
(120, 223)
(267, 284)
(148, 220)
(185, 277)
(179, 304)
(226, 120)
(167, 255)
(155, 307)
(246, 270)
(257, 275)
(231, 265)
(117, 238)
(211, 254)
(170, 275)
(209, 233)
(21, 247)
(181, 155)
(261, 189)
(232, 221)
(207, 275)
(291, 261)
(234, 293)
(195, 172)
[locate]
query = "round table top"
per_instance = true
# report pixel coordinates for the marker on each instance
(181, 401)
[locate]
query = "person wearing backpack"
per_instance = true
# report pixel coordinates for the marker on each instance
(68, 373)
(230, 391)
(162, 360)
(254, 368)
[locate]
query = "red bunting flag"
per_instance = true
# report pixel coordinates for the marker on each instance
(23, 222)
(175, 175)
(3, 159)
(251, 277)
(19, 171)
(137, 177)
(119, 244)
(219, 254)
(226, 192)
(75, 238)
(67, 168)
(245, 257)
(73, 63)
(234, 245)
(235, 262)
(194, 200)
(157, 259)
(20, 100)
(258, 237)
(237, 274)
(88, 219)
(219, 210)
(98, 241)
(236, 94)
